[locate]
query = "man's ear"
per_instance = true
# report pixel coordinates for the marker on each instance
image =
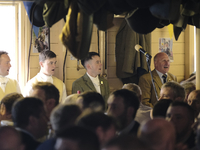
(3, 109)
(87, 65)
(50, 103)
(41, 64)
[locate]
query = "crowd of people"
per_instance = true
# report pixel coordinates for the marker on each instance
(43, 117)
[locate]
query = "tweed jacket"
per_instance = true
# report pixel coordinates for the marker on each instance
(84, 83)
(145, 83)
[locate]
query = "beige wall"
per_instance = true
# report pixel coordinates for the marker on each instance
(178, 67)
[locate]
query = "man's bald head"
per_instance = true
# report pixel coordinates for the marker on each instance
(161, 62)
(158, 134)
(10, 139)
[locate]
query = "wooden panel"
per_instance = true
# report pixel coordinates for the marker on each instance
(111, 61)
(115, 83)
(177, 70)
(111, 48)
(72, 73)
(112, 72)
(156, 35)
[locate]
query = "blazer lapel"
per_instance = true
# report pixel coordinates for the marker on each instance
(156, 79)
(102, 86)
(88, 82)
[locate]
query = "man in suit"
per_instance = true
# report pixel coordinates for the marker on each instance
(47, 62)
(30, 120)
(7, 85)
(123, 105)
(160, 76)
(91, 81)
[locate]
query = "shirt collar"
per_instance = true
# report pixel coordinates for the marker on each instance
(160, 75)
(127, 129)
(45, 78)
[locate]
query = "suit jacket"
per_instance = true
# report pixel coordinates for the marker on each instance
(29, 142)
(145, 83)
(128, 60)
(84, 83)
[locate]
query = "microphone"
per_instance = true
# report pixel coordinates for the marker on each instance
(139, 48)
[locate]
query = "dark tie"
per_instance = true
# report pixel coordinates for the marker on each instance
(164, 76)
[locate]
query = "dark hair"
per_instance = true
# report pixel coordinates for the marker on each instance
(49, 89)
(92, 99)
(188, 107)
(46, 54)
(127, 142)
(3, 52)
(24, 108)
(89, 57)
(85, 139)
(94, 120)
(9, 100)
(160, 108)
(130, 99)
(64, 116)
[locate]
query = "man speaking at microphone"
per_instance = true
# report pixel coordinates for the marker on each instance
(160, 76)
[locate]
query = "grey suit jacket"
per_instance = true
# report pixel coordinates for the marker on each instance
(145, 83)
(84, 83)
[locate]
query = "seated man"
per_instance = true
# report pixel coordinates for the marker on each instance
(158, 134)
(173, 91)
(123, 105)
(194, 102)
(182, 117)
(47, 61)
(188, 87)
(48, 93)
(77, 138)
(125, 142)
(91, 81)
(62, 117)
(5, 108)
(104, 126)
(10, 139)
(30, 119)
(7, 85)
(143, 113)
(160, 76)
(92, 100)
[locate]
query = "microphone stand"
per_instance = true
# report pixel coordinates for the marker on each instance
(148, 60)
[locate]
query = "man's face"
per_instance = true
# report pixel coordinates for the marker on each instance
(4, 65)
(162, 63)
(41, 125)
(166, 93)
(48, 66)
(66, 144)
(117, 109)
(179, 116)
(95, 65)
(194, 102)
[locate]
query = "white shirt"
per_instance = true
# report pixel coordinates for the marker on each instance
(95, 81)
(4, 80)
(127, 129)
(42, 78)
(160, 75)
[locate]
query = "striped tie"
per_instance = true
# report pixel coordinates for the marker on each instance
(164, 76)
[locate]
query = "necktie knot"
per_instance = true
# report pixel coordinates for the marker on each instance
(164, 76)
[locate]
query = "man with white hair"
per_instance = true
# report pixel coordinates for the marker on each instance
(143, 112)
